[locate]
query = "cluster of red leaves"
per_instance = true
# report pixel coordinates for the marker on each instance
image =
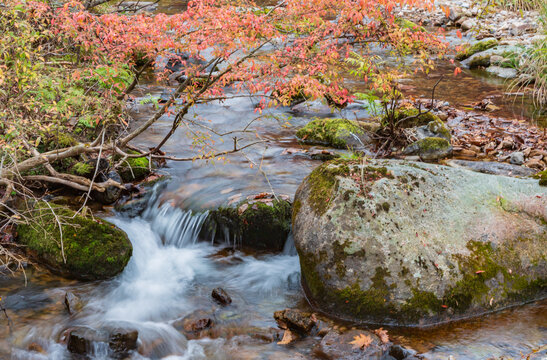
(297, 46)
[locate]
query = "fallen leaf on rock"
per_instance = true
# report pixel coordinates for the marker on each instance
(382, 334)
(361, 341)
(242, 208)
(288, 336)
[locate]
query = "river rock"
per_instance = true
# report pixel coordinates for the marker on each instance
(123, 341)
(111, 193)
(81, 339)
(517, 158)
(502, 72)
(221, 296)
(337, 346)
(93, 248)
(492, 168)
(73, 304)
(295, 320)
(430, 148)
(261, 222)
(338, 133)
(417, 243)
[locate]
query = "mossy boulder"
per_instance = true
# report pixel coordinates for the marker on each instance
(261, 222)
(134, 169)
(338, 133)
(397, 242)
(430, 148)
(477, 47)
(479, 60)
(93, 249)
(408, 117)
(542, 176)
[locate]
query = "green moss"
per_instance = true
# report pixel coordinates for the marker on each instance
(295, 209)
(333, 132)
(414, 119)
(476, 48)
(93, 249)
(259, 226)
(421, 304)
(407, 24)
(322, 181)
(134, 169)
(438, 127)
(370, 303)
(542, 176)
(82, 169)
(485, 263)
(432, 144)
(479, 61)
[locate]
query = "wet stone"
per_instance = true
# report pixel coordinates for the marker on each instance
(73, 304)
(338, 346)
(123, 341)
(295, 320)
(221, 296)
(81, 339)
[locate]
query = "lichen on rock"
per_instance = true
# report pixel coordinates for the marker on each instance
(93, 248)
(398, 242)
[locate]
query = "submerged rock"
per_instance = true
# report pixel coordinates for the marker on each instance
(261, 222)
(93, 248)
(417, 244)
(123, 341)
(430, 148)
(337, 345)
(338, 133)
(117, 342)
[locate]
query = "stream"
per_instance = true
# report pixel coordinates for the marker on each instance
(173, 271)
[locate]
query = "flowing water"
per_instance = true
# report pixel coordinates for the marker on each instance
(173, 271)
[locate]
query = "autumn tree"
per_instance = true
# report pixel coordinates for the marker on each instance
(294, 49)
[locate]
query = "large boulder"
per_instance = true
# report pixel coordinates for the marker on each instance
(93, 248)
(397, 242)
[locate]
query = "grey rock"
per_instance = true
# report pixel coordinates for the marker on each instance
(338, 346)
(506, 73)
(73, 304)
(221, 296)
(493, 168)
(517, 158)
(430, 149)
(417, 243)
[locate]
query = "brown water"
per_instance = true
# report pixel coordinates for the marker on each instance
(171, 274)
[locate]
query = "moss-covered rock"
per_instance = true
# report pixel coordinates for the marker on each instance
(542, 176)
(477, 47)
(134, 169)
(338, 133)
(479, 61)
(261, 224)
(397, 242)
(408, 117)
(407, 24)
(93, 249)
(430, 148)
